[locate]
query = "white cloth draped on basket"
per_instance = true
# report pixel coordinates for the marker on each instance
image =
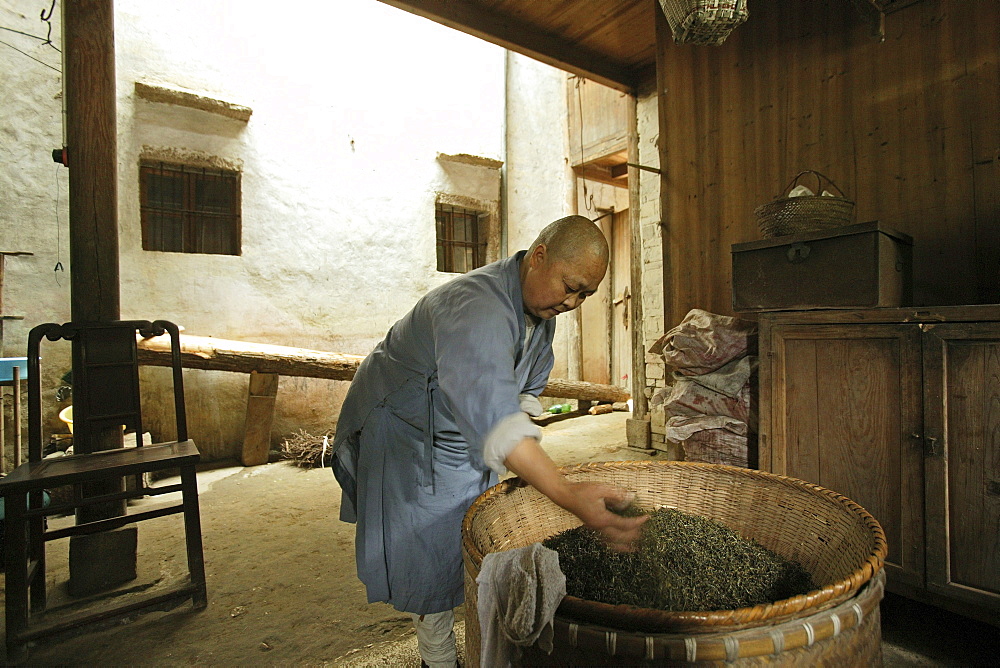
(519, 591)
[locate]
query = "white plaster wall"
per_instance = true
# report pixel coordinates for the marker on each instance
(33, 192)
(539, 180)
(352, 102)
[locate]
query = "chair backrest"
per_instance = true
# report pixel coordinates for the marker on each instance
(105, 379)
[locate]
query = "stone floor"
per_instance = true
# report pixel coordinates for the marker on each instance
(282, 589)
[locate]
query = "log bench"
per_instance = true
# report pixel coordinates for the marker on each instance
(266, 363)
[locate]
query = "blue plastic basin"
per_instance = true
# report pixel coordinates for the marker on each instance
(7, 365)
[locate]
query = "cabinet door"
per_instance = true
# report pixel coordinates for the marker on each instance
(845, 414)
(962, 424)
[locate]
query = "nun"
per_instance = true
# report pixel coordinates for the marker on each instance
(441, 408)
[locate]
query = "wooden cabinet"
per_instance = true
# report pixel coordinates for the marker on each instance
(898, 409)
(962, 466)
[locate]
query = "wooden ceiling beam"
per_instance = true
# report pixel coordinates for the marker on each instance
(523, 38)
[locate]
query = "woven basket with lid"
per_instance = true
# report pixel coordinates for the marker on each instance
(806, 213)
(836, 540)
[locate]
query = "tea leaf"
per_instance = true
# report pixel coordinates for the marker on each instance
(682, 562)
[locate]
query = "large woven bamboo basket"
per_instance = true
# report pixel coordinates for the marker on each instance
(835, 539)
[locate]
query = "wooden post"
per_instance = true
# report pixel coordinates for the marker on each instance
(17, 393)
(16, 415)
(260, 417)
(639, 404)
(663, 35)
(89, 71)
(3, 436)
(92, 158)
(637, 428)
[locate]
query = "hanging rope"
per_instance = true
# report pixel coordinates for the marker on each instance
(48, 21)
(59, 264)
(588, 197)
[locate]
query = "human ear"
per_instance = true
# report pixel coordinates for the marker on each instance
(538, 255)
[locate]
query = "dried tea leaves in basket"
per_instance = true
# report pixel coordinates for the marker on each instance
(683, 562)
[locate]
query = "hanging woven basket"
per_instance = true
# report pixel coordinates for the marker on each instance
(806, 213)
(703, 21)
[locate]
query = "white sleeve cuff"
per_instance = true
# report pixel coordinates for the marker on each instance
(530, 404)
(505, 436)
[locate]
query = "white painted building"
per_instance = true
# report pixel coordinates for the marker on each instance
(362, 119)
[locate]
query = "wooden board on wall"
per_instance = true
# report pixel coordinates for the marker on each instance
(604, 127)
(900, 126)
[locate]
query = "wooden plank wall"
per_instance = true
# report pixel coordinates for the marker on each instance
(907, 128)
(604, 126)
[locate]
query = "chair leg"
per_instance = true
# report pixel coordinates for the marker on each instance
(192, 533)
(36, 553)
(16, 585)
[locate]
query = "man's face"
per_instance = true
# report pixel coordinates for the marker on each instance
(551, 286)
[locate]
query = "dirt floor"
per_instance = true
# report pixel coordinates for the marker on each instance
(282, 588)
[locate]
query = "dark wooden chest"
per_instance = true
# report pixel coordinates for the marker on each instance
(857, 266)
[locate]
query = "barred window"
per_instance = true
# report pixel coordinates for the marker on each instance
(461, 238)
(189, 209)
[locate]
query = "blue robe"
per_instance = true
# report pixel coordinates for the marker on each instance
(410, 438)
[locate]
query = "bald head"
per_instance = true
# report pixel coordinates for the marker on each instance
(563, 267)
(573, 238)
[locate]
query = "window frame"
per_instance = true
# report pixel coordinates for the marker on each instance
(445, 237)
(193, 217)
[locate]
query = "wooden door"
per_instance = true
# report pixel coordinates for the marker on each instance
(621, 300)
(846, 406)
(962, 432)
(595, 332)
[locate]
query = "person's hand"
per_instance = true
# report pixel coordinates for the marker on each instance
(587, 500)
(590, 501)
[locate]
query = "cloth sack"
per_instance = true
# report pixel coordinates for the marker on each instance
(703, 342)
(712, 439)
(688, 398)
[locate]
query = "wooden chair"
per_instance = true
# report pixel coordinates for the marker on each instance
(107, 371)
